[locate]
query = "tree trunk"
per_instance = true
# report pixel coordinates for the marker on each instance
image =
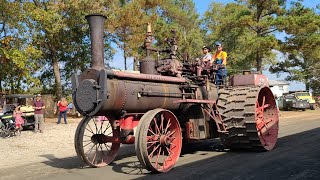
(124, 56)
(259, 62)
(135, 63)
(57, 77)
(307, 83)
(125, 61)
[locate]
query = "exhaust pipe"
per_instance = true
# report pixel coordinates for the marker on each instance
(96, 25)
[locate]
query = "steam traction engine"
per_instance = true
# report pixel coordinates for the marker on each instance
(164, 105)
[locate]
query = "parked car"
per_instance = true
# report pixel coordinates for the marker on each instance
(25, 103)
(291, 102)
(306, 96)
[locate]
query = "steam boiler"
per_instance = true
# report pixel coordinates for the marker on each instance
(168, 104)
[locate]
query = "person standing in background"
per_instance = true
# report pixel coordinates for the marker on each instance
(38, 106)
(63, 108)
(17, 114)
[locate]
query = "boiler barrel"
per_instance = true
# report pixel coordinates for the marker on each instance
(138, 96)
(96, 94)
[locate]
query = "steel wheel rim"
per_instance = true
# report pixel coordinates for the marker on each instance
(161, 140)
(90, 148)
(267, 119)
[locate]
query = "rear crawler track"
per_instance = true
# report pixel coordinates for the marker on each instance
(250, 116)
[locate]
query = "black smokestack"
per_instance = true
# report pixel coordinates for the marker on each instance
(96, 25)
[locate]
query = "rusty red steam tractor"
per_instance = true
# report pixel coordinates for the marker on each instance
(169, 102)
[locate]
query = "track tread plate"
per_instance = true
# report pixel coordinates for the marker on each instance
(238, 116)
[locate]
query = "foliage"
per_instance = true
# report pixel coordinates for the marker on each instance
(301, 46)
(60, 31)
(180, 16)
(246, 29)
(17, 56)
(43, 42)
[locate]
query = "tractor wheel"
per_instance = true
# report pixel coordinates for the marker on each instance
(89, 144)
(158, 140)
(250, 116)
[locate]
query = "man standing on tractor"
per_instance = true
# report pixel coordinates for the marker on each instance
(207, 58)
(220, 61)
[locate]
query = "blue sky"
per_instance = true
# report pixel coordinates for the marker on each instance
(201, 7)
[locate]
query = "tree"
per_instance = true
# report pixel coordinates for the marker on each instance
(17, 56)
(127, 26)
(246, 29)
(61, 33)
(164, 16)
(181, 16)
(301, 46)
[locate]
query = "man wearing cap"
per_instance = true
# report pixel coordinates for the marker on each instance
(220, 60)
(38, 106)
(207, 55)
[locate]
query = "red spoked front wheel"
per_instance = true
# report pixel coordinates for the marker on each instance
(158, 140)
(90, 143)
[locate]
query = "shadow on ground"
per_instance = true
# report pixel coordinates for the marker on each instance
(295, 157)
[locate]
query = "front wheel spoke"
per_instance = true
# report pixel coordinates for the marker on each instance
(87, 136)
(169, 153)
(107, 147)
(109, 133)
(156, 125)
(171, 138)
(172, 144)
(171, 133)
(167, 126)
(157, 159)
(151, 145)
(90, 129)
(152, 142)
(164, 159)
(90, 150)
(108, 126)
(95, 124)
(88, 143)
(101, 149)
(100, 130)
(161, 124)
(150, 130)
(154, 149)
(94, 157)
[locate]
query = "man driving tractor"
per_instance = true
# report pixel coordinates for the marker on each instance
(219, 60)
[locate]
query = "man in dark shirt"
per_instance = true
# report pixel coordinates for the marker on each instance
(38, 106)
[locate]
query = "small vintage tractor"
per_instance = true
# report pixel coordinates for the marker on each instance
(169, 102)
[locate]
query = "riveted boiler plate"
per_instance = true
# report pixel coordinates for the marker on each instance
(86, 95)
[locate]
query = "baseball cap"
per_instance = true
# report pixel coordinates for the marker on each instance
(38, 95)
(205, 47)
(217, 43)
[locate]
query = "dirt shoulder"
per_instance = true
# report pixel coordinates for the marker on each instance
(55, 142)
